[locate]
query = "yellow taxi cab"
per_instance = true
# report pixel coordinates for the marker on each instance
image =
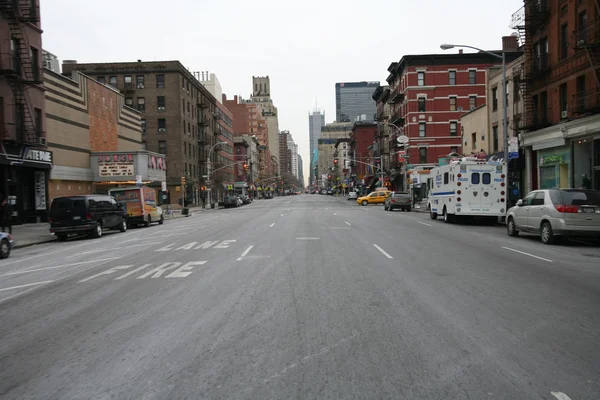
(376, 197)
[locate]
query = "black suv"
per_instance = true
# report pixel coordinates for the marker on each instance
(88, 214)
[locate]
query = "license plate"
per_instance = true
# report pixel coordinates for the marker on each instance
(588, 210)
(77, 217)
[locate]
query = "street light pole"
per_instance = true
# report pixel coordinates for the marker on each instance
(208, 171)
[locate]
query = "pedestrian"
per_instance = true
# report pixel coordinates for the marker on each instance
(5, 216)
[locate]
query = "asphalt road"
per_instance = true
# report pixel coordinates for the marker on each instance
(301, 297)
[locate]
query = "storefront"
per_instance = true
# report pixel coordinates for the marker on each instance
(24, 181)
(554, 168)
(586, 162)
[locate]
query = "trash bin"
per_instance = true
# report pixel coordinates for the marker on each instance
(185, 211)
(212, 205)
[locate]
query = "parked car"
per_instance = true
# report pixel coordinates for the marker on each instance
(6, 244)
(88, 215)
(231, 201)
(401, 200)
(376, 197)
(556, 212)
(353, 195)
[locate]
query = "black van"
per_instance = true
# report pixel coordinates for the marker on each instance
(88, 214)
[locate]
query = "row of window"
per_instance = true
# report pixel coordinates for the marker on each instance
(422, 103)
(451, 77)
(476, 178)
(140, 81)
(423, 129)
(19, 118)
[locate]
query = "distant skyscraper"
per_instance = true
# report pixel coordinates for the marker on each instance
(316, 120)
(354, 100)
(300, 170)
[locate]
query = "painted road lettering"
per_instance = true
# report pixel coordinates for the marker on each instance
(203, 246)
(165, 270)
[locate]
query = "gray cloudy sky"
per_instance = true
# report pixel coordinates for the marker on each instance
(304, 46)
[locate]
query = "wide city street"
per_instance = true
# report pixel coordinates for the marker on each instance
(301, 297)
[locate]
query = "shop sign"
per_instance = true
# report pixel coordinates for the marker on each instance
(116, 165)
(555, 159)
(35, 155)
(155, 162)
(40, 190)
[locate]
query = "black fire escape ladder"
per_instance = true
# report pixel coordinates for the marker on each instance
(22, 72)
(526, 119)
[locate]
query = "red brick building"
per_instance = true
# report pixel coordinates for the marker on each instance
(428, 95)
(362, 137)
(225, 154)
(24, 159)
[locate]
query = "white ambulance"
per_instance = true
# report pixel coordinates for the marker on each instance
(467, 187)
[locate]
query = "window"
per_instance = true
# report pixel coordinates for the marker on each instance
(580, 96)
(472, 77)
(139, 81)
(141, 102)
(162, 125)
(452, 77)
(581, 26)
(423, 155)
(144, 146)
(35, 62)
(544, 107)
(486, 178)
(127, 80)
(495, 137)
(188, 108)
(422, 129)
(183, 105)
(495, 99)
(452, 103)
(37, 115)
(160, 102)
(112, 81)
(189, 128)
(422, 103)
(129, 101)
(143, 122)
(445, 177)
(101, 79)
(474, 141)
(184, 149)
(421, 78)
(564, 41)
(453, 128)
(562, 98)
(160, 81)
(475, 178)
(162, 146)
(472, 102)
(454, 149)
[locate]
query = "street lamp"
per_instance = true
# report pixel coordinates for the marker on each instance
(209, 170)
(447, 46)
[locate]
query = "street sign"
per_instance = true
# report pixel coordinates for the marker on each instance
(163, 186)
(402, 139)
(138, 180)
(401, 153)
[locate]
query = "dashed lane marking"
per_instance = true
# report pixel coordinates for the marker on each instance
(245, 253)
(348, 223)
(527, 254)
(60, 266)
(423, 223)
(27, 285)
(382, 251)
(272, 225)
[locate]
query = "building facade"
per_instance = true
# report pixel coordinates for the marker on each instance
(560, 87)
(95, 139)
(362, 137)
(301, 171)
(429, 93)
(354, 101)
(316, 120)
(327, 169)
(285, 164)
(261, 96)
(179, 117)
(25, 160)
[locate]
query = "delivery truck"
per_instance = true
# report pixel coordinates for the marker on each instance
(139, 204)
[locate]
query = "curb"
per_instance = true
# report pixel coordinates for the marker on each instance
(20, 246)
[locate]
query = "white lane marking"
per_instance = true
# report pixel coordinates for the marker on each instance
(527, 254)
(288, 209)
(348, 223)
(308, 238)
(113, 248)
(560, 395)
(327, 208)
(27, 285)
(334, 214)
(245, 253)
(382, 251)
(423, 223)
(282, 215)
(132, 272)
(272, 225)
(59, 266)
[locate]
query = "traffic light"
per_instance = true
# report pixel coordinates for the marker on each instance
(245, 167)
(183, 181)
(335, 162)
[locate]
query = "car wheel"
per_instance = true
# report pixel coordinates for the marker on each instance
(62, 237)
(432, 215)
(409, 209)
(547, 235)
(447, 217)
(161, 220)
(385, 207)
(364, 203)
(123, 226)
(511, 228)
(97, 231)
(148, 221)
(4, 248)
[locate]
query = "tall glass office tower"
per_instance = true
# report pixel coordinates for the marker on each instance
(354, 100)
(316, 120)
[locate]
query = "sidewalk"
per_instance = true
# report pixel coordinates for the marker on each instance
(31, 234)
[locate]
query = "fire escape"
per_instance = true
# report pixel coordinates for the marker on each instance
(21, 73)
(587, 38)
(529, 19)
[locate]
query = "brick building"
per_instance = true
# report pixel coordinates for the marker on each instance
(428, 95)
(560, 86)
(23, 175)
(362, 137)
(180, 117)
(285, 154)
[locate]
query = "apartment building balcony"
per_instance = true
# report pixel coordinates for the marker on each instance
(396, 96)
(586, 36)
(396, 118)
(586, 102)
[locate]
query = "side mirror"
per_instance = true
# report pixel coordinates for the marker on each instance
(520, 203)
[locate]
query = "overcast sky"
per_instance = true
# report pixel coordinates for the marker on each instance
(305, 47)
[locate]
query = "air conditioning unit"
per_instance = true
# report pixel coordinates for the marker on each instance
(140, 85)
(162, 129)
(42, 141)
(161, 109)
(472, 108)
(564, 114)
